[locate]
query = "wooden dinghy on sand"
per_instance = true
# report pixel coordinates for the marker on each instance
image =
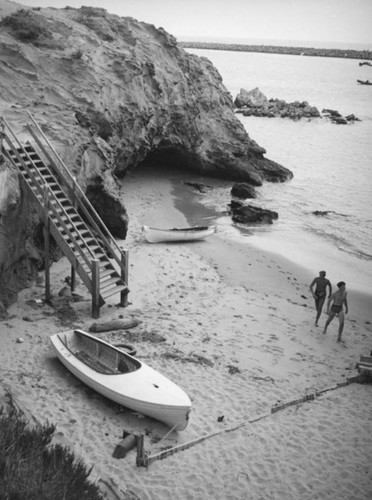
(156, 235)
(122, 378)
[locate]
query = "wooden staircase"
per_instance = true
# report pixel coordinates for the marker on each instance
(69, 217)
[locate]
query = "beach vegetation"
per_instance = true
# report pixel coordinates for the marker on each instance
(26, 26)
(32, 468)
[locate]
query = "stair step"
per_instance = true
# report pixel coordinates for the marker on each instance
(102, 264)
(32, 165)
(43, 169)
(116, 280)
(109, 271)
(65, 220)
(95, 250)
(22, 154)
(102, 261)
(80, 226)
(69, 215)
(63, 217)
(62, 199)
(34, 159)
(104, 270)
(75, 228)
(88, 242)
(114, 290)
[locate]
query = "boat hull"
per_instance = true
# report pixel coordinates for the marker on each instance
(143, 390)
(156, 235)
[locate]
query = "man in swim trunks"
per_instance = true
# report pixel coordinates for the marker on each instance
(320, 293)
(338, 299)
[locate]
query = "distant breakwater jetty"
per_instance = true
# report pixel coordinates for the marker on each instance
(273, 49)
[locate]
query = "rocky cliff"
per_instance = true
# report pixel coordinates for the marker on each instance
(111, 94)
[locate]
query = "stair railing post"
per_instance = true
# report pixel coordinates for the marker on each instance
(124, 275)
(46, 245)
(73, 271)
(95, 288)
(73, 279)
(74, 200)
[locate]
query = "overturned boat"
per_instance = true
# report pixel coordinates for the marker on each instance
(122, 378)
(156, 235)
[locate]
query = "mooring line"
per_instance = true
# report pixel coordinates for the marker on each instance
(145, 460)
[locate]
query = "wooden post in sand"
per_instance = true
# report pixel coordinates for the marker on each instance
(140, 460)
(46, 246)
(124, 276)
(73, 279)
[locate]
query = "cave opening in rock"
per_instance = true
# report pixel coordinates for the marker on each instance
(170, 158)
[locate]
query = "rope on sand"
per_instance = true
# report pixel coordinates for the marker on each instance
(312, 396)
(144, 459)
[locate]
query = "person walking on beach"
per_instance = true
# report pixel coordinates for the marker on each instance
(321, 283)
(337, 299)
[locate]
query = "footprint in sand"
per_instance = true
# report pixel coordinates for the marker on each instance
(299, 356)
(273, 338)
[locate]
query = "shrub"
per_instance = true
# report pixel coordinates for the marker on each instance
(33, 469)
(26, 26)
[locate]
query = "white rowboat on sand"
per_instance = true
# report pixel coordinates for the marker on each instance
(122, 378)
(156, 235)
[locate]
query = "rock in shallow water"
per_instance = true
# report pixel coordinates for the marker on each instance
(248, 214)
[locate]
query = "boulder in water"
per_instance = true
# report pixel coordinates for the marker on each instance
(248, 214)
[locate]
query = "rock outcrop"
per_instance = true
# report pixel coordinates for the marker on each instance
(335, 117)
(243, 190)
(112, 93)
(255, 103)
(249, 214)
(21, 238)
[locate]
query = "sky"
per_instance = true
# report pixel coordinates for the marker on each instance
(345, 21)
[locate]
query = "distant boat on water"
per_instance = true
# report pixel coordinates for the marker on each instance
(364, 82)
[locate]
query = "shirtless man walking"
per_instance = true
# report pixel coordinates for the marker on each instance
(338, 299)
(320, 292)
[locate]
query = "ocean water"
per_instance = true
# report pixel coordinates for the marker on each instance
(332, 164)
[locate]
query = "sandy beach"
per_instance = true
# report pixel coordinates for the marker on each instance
(234, 327)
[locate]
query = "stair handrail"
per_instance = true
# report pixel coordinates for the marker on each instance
(83, 200)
